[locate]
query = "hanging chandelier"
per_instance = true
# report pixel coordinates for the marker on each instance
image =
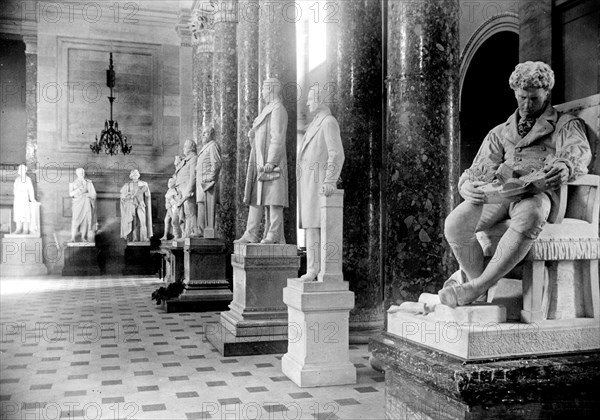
(111, 138)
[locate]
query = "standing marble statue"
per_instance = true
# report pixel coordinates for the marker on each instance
(172, 217)
(83, 207)
(266, 179)
(25, 206)
(185, 183)
(208, 168)
(320, 159)
(136, 209)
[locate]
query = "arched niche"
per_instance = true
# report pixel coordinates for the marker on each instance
(486, 99)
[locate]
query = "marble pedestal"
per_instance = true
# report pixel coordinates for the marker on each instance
(257, 322)
(22, 255)
(318, 353)
(138, 260)
(173, 251)
(81, 259)
(421, 383)
(205, 277)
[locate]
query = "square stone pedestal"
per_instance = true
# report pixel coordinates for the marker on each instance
(174, 269)
(318, 353)
(138, 260)
(257, 322)
(22, 255)
(205, 277)
(421, 383)
(81, 259)
(480, 332)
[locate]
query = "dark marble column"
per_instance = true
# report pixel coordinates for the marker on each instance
(31, 70)
(356, 72)
(277, 58)
(420, 151)
(224, 113)
(248, 97)
(203, 60)
(535, 30)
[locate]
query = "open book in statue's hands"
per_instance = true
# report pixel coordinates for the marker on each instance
(515, 188)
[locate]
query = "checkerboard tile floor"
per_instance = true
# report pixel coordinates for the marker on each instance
(99, 348)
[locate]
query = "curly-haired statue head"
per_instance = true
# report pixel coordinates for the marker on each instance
(532, 82)
(532, 74)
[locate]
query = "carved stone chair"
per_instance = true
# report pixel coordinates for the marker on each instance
(560, 273)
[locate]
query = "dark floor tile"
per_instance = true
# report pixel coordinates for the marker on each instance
(154, 407)
(112, 382)
(365, 389)
(147, 388)
(298, 395)
(216, 383)
(229, 401)
(113, 400)
(245, 373)
(75, 377)
(276, 408)
(143, 373)
(347, 401)
(197, 356)
(229, 360)
(199, 415)
(18, 367)
(254, 389)
(263, 365)
(279, 378)
(40, 387)
(45, 372)
(178, 378)
(205, 369)
(109, 368)
(191, 394)
(76, 393)
(171, 364)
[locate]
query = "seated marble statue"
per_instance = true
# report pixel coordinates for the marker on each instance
(172, 197)
(136, 209)
(535, 137)
(26, 211)
(83, 207)
(208, 168)
(320, 160)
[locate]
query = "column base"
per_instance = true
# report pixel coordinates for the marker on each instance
(81, 259)
(424, 383)
(257, 322)
(230, 344)
(318, 342)
(22, 255)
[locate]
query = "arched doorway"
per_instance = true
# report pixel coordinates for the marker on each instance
(486, 98)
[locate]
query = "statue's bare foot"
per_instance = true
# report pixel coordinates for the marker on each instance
(18, 231)
(267, 241)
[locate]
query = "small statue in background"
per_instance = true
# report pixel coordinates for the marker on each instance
(172, 197)
(185, 182)
(136, 209)
(83, 208)
(26, 214)
(208, 168)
